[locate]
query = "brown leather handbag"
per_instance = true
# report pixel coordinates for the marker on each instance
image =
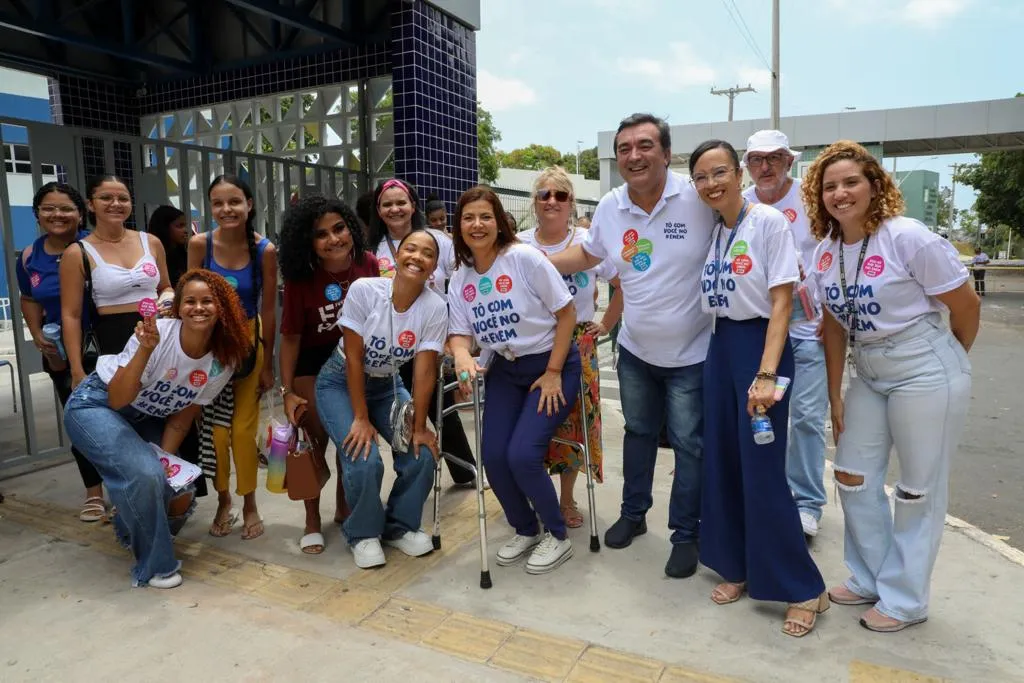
(305, 471)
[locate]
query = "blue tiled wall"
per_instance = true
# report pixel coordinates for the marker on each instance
(433, 59)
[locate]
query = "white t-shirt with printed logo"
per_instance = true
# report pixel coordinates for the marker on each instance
(905, 266)
(368, 312)
(761, 256)
(172, 381)
(581, 285)
(511, 308)
(792, 207)
(445, 260)
(659, 259)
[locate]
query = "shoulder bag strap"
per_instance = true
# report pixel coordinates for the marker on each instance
(88, 290)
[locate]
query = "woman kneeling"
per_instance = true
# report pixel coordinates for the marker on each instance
(385, 323)
(148, 394)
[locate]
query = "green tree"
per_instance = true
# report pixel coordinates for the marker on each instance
(999, 179)
(946, 214)
(487, 136)
(590, 166)
(533, 158)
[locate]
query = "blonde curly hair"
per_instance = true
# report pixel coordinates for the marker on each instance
(886, 202)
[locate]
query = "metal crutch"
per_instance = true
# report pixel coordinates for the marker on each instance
(441, 413)
(584, 447)
(485, 572)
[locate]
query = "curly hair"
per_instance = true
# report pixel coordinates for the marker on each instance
(506, 233)
(376, 230)
(230, 343)
(887, 202)
(296, 255)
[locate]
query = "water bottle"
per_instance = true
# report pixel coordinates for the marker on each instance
(280, 443)
(762, 426)
(51, 332)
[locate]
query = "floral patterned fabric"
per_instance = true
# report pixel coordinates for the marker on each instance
(561, 458)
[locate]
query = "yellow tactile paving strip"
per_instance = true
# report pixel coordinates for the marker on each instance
(368, 601)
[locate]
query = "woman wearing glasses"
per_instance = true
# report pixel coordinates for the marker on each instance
(750, 526)
(554, 205)
(321, 255)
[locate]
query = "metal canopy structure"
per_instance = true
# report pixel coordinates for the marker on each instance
(138, 41)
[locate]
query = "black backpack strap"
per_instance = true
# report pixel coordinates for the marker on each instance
(88, 291)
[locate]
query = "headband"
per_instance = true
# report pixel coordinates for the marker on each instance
(394, 182)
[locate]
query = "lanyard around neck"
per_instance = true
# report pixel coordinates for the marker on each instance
(850, 296)
(719, 266)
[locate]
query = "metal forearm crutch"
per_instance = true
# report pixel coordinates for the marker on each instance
(584, 447)
(478, 389)
(446, 364)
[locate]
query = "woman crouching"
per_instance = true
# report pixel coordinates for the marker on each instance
(149, 394)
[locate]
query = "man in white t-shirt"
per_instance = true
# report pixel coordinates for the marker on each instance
(769, 159)
(657, 232)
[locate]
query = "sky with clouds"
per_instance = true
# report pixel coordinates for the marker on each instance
(557, 71)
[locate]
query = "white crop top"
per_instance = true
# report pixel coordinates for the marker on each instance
(114, 285)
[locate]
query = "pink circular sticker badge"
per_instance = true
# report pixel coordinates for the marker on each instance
(149, 269)
(874, 266)
(147, 308)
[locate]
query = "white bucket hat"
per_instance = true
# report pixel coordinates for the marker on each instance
(766, 141)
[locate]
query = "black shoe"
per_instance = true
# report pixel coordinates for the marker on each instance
(622, 533)
(682, 563)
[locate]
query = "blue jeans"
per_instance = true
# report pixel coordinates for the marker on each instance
(911, 391)
(808, 408)
(363, 478)
(117, 442)
(515, 439)
(653, 396)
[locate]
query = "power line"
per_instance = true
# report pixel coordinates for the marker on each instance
(744, 32)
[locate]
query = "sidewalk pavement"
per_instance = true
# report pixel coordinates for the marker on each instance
(261, 610)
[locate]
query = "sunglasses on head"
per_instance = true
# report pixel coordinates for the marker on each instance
(559, 195)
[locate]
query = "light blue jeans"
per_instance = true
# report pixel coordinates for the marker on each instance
(808, 408)
(117, 442)
(911, 391)
(363, 478)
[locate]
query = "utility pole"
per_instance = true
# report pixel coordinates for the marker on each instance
(731, 93)
(578, 143)
(775, 65)
(952, 205)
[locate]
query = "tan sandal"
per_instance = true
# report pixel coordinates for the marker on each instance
(94, 510)
(571, 514)
(253, 530)
(222, 527)
(815, 606)
(720, 596)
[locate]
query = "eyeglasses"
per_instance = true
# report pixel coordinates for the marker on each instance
(49, 210)
(111, 198)
(719, 175)
(561, 196)
(775, 159)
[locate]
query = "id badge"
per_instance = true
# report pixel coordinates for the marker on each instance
(714, 322)
(852, 365)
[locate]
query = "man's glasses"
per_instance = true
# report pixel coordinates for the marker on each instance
(561, 196)
(719, 175)
(775, 159)
(49, 210)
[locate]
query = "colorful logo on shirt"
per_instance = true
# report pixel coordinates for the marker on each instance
(504, 284)
(333, 292)
(385, 266)
(582, 280)
(636, 251)
(232, 281)
(825, 262)
(147, 308)
(215, 368)
(790, 214)
(407, 339)
(873, 266)
(738, 249)
(486, 286)
(742, 264)
(171, 373)
(149, 269)
(197, 378)
(35, 279)
(469, 293)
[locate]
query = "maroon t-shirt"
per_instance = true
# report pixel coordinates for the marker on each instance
(311, 307)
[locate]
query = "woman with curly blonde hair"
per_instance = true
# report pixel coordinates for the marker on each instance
(885, 281)
(148, 395)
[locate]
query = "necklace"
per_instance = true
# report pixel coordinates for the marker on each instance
(124, 232)
(571, 233)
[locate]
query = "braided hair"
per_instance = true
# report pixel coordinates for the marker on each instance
(250, 229)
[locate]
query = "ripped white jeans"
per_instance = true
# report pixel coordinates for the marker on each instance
(911, 391)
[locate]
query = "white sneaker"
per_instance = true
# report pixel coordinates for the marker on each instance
(513, 551)
(549, 555)
(368, 553)
(412, 543)
(809, 523)
(172, 581)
